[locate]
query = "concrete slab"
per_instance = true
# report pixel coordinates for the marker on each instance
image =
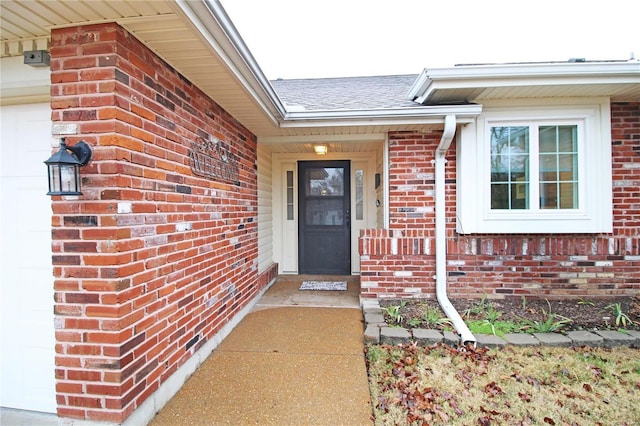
(394, 336)
(11, 417)
(585, 338)
(427, 337)
(615, 338)
(489, 340)
(298, 330)
(553, 339)
(286, 292)
(521, 339)
(280, 366)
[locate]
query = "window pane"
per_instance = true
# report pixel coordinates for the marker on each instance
(499, 196)
(324, 211)
(359, 194)
(558, 167)
(567, 138)
(568, 195)
(289, 194)
(548, 196)
(509, 167)
(325, 181)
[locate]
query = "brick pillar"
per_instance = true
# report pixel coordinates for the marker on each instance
(153, 259)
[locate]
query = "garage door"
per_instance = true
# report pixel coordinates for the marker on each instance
(26, 298)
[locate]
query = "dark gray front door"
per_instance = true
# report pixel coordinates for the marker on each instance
(324, 218)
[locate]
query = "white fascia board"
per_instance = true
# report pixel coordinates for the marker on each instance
(215, 26)
(359, 137)
(570, 69)
(433, 114)
(419, 86)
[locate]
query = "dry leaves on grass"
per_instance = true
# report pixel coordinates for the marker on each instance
(522, 386)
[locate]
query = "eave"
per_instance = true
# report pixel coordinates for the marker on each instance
(619, 80)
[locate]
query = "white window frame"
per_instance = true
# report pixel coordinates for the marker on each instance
(594, 212)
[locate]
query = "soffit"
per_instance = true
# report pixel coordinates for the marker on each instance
(161, 25)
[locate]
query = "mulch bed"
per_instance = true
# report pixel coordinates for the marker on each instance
(591, 314)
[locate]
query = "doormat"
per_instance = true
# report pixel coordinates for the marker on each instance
(324, 285)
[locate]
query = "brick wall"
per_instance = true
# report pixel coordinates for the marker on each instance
(152, 260)
(400, 261)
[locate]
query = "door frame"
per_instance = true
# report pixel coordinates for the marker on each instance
(285, 231)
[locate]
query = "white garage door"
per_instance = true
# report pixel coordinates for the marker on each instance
(26, 298)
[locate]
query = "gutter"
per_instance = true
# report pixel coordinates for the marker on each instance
(441, 234)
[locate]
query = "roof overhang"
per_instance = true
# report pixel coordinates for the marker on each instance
(619, 80)
(382, 117)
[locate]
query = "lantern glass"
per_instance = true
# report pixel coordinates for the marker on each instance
(64, 179)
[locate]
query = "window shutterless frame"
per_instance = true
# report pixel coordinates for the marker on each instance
(562, 189)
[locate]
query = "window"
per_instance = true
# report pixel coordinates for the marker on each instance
(515, 182)
(359, 194)
(290, 189)
(536, 170)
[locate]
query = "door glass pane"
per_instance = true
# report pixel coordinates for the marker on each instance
(325, 181)
(510, 167)
(324, 212)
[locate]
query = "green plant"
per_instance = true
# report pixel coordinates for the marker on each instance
(524, 302)
(431, 317)
(551, 323)
(375, 353)
(497, 328)
(620, 316)
(585, 302)
(477, 308)
(413, 322)
(491, 314)
(395, 311)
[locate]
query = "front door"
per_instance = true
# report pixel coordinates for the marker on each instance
(324, 217)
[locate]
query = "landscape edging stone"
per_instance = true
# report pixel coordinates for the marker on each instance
(377, 332)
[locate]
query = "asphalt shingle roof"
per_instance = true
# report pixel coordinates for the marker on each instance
(347, 93)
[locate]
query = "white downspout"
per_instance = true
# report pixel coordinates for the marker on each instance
(441, 233)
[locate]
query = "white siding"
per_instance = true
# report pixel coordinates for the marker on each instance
(265, 209)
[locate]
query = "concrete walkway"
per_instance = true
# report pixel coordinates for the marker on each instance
(297, 358)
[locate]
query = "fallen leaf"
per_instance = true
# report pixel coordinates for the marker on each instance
(443, 416)
(484, 421)
(523, 396)
(549, 421)
(587, 387)
(492, 389)
(455, 408)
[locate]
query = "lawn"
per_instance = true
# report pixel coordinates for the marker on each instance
(441, 385)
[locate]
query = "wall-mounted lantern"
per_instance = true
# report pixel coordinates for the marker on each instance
(63, 168)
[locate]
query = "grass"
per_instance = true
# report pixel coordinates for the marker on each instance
(525, 386)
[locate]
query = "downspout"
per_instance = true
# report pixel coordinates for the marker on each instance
(441, 233)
